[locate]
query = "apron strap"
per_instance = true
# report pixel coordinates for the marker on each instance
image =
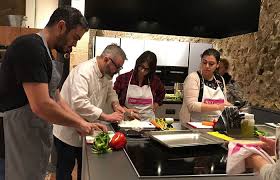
(201, 87)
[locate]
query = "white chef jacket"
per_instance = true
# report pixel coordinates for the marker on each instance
(86, 91)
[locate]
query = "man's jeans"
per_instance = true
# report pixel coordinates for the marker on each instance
(2, 169)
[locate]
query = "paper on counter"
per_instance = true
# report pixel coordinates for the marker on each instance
(199, 125)
(136, 124)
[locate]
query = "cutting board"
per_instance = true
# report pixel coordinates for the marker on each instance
(137, 124)
(199, 125)
(247, 141)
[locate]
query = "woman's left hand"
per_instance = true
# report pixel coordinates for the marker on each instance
(132, 114)
(155, 106)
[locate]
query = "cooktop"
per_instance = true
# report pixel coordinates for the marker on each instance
(151, 159)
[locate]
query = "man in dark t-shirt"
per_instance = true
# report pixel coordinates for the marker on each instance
(26, 60)
(30, 99)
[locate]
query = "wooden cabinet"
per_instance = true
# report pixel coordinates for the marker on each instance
(8, 34)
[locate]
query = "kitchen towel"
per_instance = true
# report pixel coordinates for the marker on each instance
(237, 153)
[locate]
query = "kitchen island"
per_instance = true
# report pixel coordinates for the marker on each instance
(117, 165)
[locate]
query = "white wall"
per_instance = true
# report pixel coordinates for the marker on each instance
(79, 4)
(38, 12)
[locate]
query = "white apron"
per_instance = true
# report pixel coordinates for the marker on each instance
(28, 138)
(210, 96)
(140, 98)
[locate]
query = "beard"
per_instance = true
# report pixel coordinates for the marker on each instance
(107, 73)
(61, 43)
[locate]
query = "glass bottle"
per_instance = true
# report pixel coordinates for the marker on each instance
(247, 126)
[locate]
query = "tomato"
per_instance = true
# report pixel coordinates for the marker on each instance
(118, 141)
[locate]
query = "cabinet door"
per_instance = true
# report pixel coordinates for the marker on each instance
(196, 49)
(169, 53)
(102, 42)
(133, 48)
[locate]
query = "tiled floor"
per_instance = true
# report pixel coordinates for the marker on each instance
(51, 176)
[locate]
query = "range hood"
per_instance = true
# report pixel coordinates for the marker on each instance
(196, 18)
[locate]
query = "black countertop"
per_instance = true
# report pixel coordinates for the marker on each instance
(151, 160)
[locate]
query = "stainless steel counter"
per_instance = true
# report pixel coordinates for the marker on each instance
(116, 166)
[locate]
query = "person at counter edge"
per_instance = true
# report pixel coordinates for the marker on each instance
(258, 163)
(204, 90)
(31, 102)
(87, 89)
(140, 91)
(223, 70)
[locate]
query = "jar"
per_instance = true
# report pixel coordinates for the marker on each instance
(247, 126)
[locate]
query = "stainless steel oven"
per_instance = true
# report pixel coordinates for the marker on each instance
(170, 75)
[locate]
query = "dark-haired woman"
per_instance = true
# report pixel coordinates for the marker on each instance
(204, 90)
(140, 91)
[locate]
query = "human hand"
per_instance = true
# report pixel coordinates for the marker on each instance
(87, 128)
(155, 106)
(119, 108)
(132, 114)
(255, 161)
(221, 107)
(114, 117)
(268, 145)
(98, 127)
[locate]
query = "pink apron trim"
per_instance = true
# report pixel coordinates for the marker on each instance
(140, 101)
(214, 101)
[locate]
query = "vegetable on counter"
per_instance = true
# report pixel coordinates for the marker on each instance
(208, 123)
(159, 123)
(258, 133)
(101, 143)
(118, 141)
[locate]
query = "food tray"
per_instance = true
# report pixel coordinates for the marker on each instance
(183, 138)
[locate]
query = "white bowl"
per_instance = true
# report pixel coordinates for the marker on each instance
(169, 120)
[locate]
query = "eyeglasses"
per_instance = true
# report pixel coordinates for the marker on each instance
(117, 67)
(142, 67)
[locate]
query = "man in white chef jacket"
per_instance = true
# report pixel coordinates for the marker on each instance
(87, 89)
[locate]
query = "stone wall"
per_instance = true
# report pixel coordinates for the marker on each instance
(255, 58)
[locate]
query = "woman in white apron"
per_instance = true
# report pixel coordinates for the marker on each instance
(140, 90)
(204, 91)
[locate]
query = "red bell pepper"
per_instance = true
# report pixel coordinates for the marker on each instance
(118, 141)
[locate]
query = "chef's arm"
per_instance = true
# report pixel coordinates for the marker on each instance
(63, 104)
(46, 108)
(113, 98)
